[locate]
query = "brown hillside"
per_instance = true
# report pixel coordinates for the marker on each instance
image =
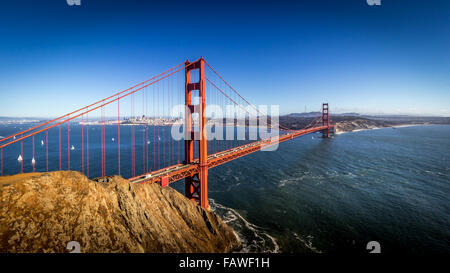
(43, 212)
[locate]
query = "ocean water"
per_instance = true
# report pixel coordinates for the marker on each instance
(335, 195)
(312, 194)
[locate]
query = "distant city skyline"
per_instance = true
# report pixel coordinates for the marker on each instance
(387, 59)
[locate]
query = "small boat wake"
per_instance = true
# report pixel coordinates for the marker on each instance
(254, 239)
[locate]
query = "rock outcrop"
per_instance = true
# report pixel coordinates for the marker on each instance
(359, 124)
(43, 212)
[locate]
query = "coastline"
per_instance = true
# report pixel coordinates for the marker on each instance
(381, 127)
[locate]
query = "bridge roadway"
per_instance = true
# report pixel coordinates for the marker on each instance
(180, 171)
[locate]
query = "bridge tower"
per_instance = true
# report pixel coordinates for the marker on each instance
(325, 120)
(196, 186)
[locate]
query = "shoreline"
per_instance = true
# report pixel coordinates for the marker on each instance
(375, 128)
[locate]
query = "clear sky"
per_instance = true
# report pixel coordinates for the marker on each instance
(393, 58)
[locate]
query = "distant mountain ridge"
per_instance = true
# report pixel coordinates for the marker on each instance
(315, 114)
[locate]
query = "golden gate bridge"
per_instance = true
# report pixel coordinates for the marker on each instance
(150, 153)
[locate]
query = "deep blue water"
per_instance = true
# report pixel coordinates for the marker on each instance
(312, 194)
(336, 195)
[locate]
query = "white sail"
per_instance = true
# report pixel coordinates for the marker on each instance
(19, 158)
(72, 148)
(42, 143)
(33, 161)
(112, 139)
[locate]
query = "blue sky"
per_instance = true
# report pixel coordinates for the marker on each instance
(392, 58)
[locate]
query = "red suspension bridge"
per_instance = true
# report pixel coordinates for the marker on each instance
(118, 135)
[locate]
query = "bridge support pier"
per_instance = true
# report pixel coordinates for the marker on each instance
(196, 186)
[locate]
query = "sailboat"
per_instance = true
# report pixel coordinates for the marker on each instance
(148, 142)
(33, 161)
(19, 158)
(112, 139)
(42, 143)
(72, 148)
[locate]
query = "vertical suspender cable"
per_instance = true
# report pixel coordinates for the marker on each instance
(104, 141)
(143, 131)
(159, 113)
(68, 145)
(87, 144)
(163, 139)
(33, 160)
(102, 135)
(169, 100)
(21, 155)
(82, 146)
(169, 142)
(118, 132)
(46, 150)
(154, 129)
(132, 136)
(146, 129)
(60, 147)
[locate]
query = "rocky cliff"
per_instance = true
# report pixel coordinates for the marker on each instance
(43, 212)
(359, 124)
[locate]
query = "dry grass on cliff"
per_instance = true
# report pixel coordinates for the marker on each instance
(43, 212)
